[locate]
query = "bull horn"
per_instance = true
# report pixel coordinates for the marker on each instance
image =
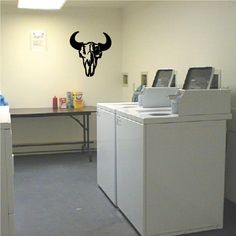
(76, 45)
(107, 44)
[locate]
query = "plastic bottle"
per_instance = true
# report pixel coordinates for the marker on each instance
(69, 100)
(54, 102)
(2, 101)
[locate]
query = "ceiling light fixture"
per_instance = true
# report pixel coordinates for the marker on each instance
(41, 4)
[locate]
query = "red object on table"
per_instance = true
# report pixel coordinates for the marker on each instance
(54, 102)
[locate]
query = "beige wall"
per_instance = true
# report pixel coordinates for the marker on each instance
(0, 50)
(31, 79)
(179, 35)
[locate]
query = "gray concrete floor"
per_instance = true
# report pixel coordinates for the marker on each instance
(57, 195)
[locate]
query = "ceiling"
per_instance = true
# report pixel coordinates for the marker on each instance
(83, 3)
(106, 3)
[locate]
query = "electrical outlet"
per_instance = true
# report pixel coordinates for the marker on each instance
(144, 76)
(125, 80)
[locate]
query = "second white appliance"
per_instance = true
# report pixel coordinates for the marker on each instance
(7, 173)
(170, 167)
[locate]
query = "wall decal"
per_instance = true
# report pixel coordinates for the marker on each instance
(90, 52)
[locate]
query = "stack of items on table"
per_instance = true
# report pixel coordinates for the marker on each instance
(72, 100)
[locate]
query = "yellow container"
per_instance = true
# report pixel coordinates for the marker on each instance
(77, 100)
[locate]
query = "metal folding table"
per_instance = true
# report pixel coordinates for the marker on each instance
(85, 112)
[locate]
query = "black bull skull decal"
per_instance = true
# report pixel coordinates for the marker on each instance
(90, 52)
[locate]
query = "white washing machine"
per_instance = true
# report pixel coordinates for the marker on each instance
(106, 144)
(170, 167)
(106, 134)
(106, 147)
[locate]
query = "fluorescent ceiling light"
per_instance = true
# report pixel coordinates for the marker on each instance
(41, 4)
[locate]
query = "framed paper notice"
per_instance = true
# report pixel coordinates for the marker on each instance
(38, 40)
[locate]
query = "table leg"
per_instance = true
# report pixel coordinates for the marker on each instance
(88, 139)
(84, 134)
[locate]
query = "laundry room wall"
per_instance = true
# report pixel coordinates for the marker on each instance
(180, 35)
(31, 78)
(0, 54)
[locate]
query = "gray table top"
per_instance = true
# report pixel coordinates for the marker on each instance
(47, 111)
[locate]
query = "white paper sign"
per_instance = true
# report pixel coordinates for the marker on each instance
(38, 40)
